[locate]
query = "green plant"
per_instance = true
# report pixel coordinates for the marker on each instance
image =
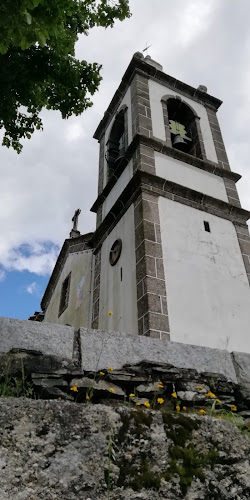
(111, 456)
(15, 386)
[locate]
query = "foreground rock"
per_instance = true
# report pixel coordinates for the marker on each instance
(57, 450)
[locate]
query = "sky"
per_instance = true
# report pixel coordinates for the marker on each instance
(198, 42)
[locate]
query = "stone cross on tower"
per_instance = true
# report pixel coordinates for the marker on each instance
(74, 231)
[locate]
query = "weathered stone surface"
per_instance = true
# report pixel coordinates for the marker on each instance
(187, 396)
(101, 350)
(97, 385)
(54, 450)
(241, 362)
(47, 338)
(149, 388)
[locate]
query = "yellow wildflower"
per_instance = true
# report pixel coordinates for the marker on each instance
(233, 408)
(202, 412)
(138, 404)
(74, 388)
(87, 397)
(184, 408)
(111, 389)
(102, 373)
(219, 417)
(177, 408)
(160, 385)
(160, 401)
(131, 395)
(210, 394)
(110, 369)
(59, 399)
(110, 313)
(218, 401)
(147, 404)
(200, 387)
(174, 395)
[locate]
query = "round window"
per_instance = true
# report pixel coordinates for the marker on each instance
(115, 252)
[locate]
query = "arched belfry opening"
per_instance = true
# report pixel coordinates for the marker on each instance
(183, 127)
(117, 141)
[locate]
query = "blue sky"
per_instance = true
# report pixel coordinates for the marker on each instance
(198, 42)
(21, 294)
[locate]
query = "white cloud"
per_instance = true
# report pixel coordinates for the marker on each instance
(32, 288)
(34, 258)
(196, 17)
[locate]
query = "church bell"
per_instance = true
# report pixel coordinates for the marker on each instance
(180, 143)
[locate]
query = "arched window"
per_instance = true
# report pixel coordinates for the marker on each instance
(183, 127)
(116, 144)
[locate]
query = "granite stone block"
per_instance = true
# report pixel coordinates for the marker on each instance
(101, 350)
(48, 338)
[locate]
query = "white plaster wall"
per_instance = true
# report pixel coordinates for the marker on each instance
(118, 188)
(190, 176)
(156, 92)
(118, 296)
(79, 264)
(127, 102)
(208, 292)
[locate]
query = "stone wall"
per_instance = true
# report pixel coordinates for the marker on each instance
(54, 358)
(113, 416)
(56, 450)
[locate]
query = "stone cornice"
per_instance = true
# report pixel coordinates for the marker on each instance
(161, 147)
(71, 245)
(140, 66)
(143, 181)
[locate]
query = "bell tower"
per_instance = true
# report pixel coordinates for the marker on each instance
(172, 247)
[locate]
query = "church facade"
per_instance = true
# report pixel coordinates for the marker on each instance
(170, 255)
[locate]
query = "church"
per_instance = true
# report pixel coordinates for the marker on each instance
(170, 255)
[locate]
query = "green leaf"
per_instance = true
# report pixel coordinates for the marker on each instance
(28, 18)
(3, 48)
(41, 39)
(24, 44)
(37, 59)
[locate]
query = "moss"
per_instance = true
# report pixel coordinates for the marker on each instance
(145, 478)
(186, 461)
(141, 419)
(179, 427)
(136, 421)
(136, 475)
(123, 431)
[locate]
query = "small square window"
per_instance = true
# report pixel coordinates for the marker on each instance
(64, 299)
(207, 226)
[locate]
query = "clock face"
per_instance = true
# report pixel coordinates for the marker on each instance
(115, 252)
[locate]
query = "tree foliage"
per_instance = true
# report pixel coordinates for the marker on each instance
(38, 67)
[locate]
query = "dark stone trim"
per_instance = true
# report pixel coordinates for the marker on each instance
(96, 291)
(144, 181)
(152, 309)
(223, 161)
(140, 66)
(71, 245)
(160, 147)
(244, 242)
(140, 107)
(101, 165)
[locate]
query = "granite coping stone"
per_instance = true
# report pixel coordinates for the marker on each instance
(100, 350)
(241, 362)
(48, 338)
